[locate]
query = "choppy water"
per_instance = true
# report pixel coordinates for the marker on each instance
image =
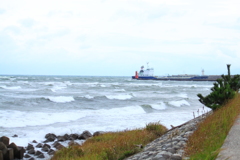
(32, 106)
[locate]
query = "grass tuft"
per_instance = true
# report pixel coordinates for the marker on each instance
(112, 145)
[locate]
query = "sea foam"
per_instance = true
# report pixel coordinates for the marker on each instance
(61, 99)
(179, 103)
(119, 97)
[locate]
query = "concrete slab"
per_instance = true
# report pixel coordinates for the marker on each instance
(231, 147)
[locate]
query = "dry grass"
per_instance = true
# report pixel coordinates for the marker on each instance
(112, 146)
(206, 141)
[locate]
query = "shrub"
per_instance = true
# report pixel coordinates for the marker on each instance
(223, 90)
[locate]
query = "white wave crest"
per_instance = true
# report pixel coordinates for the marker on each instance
(160, 106)
(61, 99)
(120, 96)
(120, 90)
(22, 119)
(11, 88)
(88, 97)
(179, 103)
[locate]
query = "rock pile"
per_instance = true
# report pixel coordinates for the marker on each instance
(45, 149)
(10, 151)
(171, 145)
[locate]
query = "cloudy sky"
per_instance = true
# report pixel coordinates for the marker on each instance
(116, 37)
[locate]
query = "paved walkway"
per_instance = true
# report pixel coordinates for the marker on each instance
(231, 147)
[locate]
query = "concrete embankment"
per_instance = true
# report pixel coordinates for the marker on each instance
(171, 145)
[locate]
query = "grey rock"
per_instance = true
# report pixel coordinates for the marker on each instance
(3, 148)
(85, 135)
(39, 145)
(171, 150)
(30, 146)
(51, 152)
(50, 137)
(176, 157)
(38, 153)
(34, 141)
(61, 138)
(45, 149)
(98, 133)
(41, 156)
(159, 157)
(67, 137)
(73, 136)
(5, 140)
(31, 151)
(27, 156)
(47, 145)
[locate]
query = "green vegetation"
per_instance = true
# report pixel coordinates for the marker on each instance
(206, 141)
(112, 145)
(222, 91)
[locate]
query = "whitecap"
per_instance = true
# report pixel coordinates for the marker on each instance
(120, 90)
(88, 97)
(11, 88)
(119, 97)
(61, 99)
(160, 106)
(13, 118)
(179, 103)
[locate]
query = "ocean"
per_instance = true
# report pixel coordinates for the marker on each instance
(32, 106)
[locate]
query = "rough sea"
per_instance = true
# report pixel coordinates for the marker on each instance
(32, 106)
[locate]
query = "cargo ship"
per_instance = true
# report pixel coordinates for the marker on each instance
(148, 74)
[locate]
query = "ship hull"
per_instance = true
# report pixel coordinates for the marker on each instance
(199, 78)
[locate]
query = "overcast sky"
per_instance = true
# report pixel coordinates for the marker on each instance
(116, 37)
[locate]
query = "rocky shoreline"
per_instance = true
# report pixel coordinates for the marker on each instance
(42, 150)
(170, 146)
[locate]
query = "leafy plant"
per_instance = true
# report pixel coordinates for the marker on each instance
(223, 90)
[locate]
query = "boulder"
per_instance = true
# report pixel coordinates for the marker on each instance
(41, 156)
(73, 136)
(46, 147)
(61, 138)
(97, 133)
(15, 135)
(58, 146)
(50, 137)
(30, 146)
(20, 153)
(31, 151)
(38, 153)
(51, 152)
(176, 157)
(27, 156)
(67, 137)
(39, 145)
(9, 155)
(72, 143)
(3, 148)
(1, 155)
(85, 135)
(31, 158)
(34, 141)
(5, 140)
